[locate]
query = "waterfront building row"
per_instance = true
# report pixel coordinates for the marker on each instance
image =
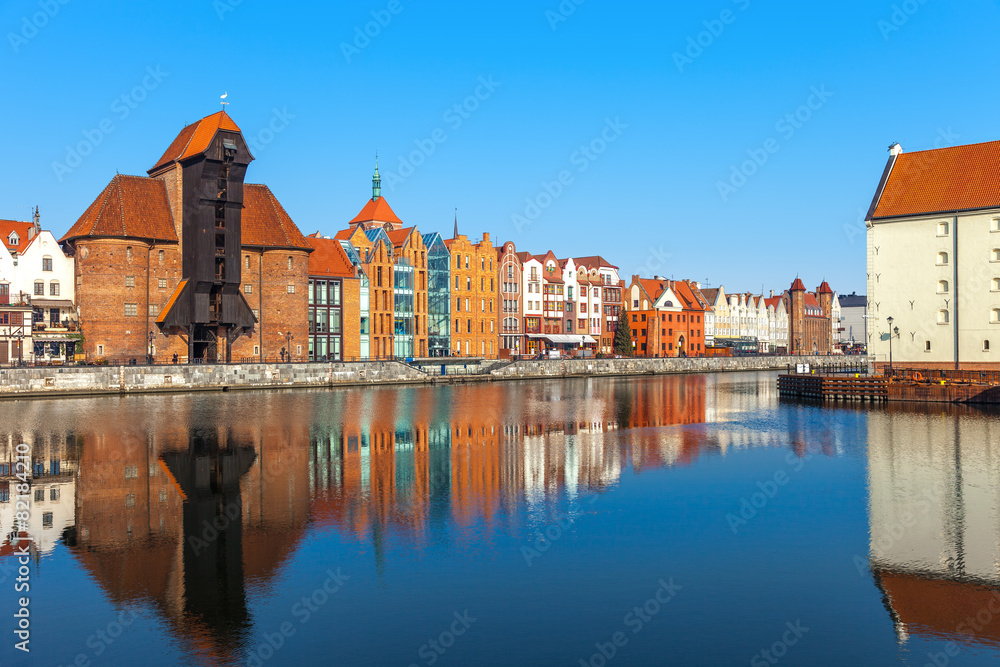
(191, 264)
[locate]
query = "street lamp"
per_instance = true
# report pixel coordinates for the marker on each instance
(150, 355)
(288, 344)
(893, 331)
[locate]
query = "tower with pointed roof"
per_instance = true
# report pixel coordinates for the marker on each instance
(190, 260)
(376, 183)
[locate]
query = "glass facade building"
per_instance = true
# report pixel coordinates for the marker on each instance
(403, 311)
(438, 296)
(325, 319)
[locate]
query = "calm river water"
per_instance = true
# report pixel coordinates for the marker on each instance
(683, 520)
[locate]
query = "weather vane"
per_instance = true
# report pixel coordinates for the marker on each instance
(223, 98)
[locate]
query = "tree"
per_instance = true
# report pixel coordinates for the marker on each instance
(623, 336)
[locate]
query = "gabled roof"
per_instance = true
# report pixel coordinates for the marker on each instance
(129, 207)
(798, 286)
(711, 294)
(23, 230)
(943, 180)
(329, 259)
(653, 288)
(376, 210)
(595, 261)
(685, 292)
(824, 288)
(265, 222)
(400, 237)
(196, 138)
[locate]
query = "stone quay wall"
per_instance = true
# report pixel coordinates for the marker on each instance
(88, 380)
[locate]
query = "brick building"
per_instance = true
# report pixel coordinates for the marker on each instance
(474, 296)
(809, 319)
(667, 317)
(395, 260)
(190, 263)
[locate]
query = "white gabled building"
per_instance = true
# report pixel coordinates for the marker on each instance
(934, 258)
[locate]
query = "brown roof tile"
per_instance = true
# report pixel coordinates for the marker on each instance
(129, 207)
(23, 230)
(196, 138)
(265, 222)
(329, 259)
(377, 210)
(944, 180)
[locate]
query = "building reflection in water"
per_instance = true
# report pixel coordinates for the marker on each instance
(187, 504)
(934, 512)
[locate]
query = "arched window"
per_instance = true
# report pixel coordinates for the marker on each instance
(942, 229)
(986, 346)
(39, 288)
(47, 263)
(995, 316)
(996, 285)
(160, 256)
(290, 265)
(247, 261)
(128, 252)
(54, 288)
(942, 259)
(996, 255)
(943, 317)
(942, 287)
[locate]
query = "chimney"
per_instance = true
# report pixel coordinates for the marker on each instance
(486, 236)
(772, 294)
(895, 149)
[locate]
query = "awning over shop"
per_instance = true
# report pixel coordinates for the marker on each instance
(52, 303)
(566, 339)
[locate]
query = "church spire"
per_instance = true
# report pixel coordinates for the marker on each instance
(456, 225)
(376, 182)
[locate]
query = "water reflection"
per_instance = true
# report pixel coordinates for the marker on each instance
(191, 508)
(934, 514)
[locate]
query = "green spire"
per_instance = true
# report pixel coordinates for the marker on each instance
(376, 182)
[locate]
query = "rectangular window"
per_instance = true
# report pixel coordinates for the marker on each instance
(129, 281)
(53, 289)
(154, 310)
(248, 289)
(39, 289)
(162, 283)
(291, 289)
(131, 309)
(46, 264)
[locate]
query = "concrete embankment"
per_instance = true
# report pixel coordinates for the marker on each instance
(91, 380)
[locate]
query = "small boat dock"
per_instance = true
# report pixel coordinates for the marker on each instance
(898, 384)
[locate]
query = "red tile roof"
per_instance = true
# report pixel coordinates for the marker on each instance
(23, 230)
(399, 237)
(798, 286)
(196, 138)
(129, 207)
(654, 288)
(825, 288)
(265, 222)
(329, 259)
(944, 180)
(376, 210)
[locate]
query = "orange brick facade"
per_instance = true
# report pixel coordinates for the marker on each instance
(474, 274)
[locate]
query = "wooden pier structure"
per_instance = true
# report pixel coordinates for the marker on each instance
(903, 385)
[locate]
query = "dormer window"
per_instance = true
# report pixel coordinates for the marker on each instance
(13, 239)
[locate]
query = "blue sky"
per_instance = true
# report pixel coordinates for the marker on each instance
(592, 94)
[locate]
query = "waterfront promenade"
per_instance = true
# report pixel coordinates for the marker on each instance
(97, 380)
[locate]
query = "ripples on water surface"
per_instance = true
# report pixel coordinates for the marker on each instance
(692, 520)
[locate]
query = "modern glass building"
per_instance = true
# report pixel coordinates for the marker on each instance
(325, 319)
(402, 291)
(438, 295)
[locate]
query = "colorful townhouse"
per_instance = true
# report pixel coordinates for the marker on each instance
(511, 300)
(474, 296)
(606, 284)
(667, 317)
